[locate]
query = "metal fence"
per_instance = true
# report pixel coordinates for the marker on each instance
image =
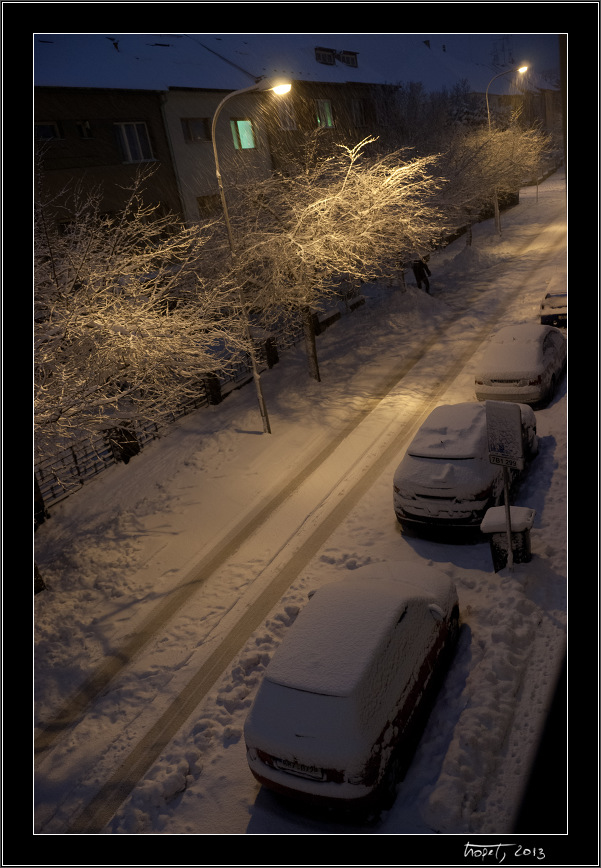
(59, 475)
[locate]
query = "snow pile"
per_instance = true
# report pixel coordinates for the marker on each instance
(507, 625)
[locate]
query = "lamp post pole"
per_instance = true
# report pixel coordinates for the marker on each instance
(261, 85)
(520, 69)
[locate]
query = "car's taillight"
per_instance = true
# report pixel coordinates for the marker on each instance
(536, 382)
(479, 382)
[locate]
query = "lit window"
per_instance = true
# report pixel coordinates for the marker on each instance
(134, 142)
(243, 134)
(196, 129)
(325, 118)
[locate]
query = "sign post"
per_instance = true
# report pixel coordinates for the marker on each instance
(505, 448)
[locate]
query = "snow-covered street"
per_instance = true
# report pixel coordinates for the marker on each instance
(223, 530)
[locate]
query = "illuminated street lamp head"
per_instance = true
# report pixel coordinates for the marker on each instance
(522, 69)
(275, 83)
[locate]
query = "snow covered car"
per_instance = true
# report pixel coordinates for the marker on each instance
(554, 309)
(522, 363)
(446, 480)
(345, 697)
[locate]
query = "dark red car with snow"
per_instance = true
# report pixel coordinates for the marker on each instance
(345, 696)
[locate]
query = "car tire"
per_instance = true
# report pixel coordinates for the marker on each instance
(390, 782)
(454, 628)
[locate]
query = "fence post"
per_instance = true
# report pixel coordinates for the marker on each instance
(123, 444)
(213, 388)
(40, 513)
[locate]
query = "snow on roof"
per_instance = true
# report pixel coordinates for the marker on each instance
(234, 61)
(335, 636)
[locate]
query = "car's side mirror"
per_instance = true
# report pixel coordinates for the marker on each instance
(436, 612)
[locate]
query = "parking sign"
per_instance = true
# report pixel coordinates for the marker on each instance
(504, 430)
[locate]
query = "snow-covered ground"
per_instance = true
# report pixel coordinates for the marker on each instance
(134, 537)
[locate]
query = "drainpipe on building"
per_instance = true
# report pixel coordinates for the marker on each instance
(163, 98)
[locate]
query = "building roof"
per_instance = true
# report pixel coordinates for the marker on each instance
(234, 61)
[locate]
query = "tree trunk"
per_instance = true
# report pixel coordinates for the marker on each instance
(497, 215)
(309, 332)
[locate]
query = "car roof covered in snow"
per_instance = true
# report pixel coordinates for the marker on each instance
(337, 634)
(514, 349)
(451, 431)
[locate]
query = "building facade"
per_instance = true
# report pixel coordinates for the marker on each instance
(97, 139)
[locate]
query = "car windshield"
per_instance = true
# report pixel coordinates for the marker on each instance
(451, 433)
(555, 301)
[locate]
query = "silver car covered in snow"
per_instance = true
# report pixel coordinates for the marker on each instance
(522, 363)
(446, 480)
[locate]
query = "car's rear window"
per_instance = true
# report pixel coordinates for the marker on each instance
(288, 714)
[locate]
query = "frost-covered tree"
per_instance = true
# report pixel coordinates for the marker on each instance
(125, 322)
(343, 216)
(482, 164)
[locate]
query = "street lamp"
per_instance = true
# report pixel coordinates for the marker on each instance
(279, 87)
(520, 69)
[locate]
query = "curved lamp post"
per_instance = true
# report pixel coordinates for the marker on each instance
(520, 69)
(280, 87)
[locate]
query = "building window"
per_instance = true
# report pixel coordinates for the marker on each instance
(209, 205)
(47, 130)
(134, 142)
(196, 129)
(325, 55)
(84, 129)
(325, 117)
(242, 133)
(286, 113)
(348, 57)
(358, 112)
